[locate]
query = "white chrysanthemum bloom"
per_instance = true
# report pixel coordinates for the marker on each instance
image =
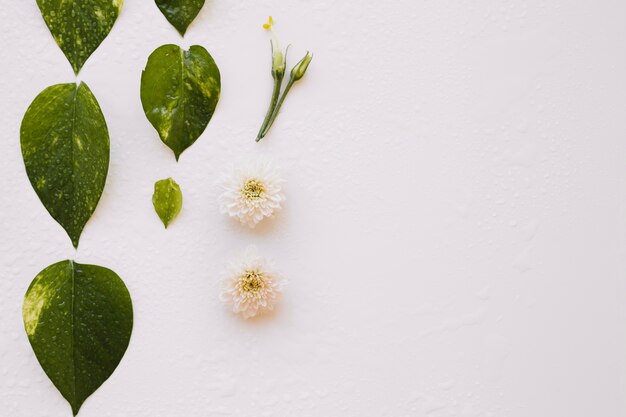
(251, 286)
(252, 192)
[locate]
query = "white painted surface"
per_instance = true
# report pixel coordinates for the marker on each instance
(454, 235)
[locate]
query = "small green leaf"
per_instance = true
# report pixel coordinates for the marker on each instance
(78, 319)
(79, 26)
(180, 13)
(65, 145)
(167, 200)
(179, 92)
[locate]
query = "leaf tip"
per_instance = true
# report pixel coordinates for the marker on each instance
(77, 66)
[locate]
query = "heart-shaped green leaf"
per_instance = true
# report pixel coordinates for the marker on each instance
(180, 13)
(79, 26)
(167, 200)
(179, 92)
(78, 319)
(65, 145)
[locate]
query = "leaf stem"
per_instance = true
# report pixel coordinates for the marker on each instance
(278, 79)
(277, 108)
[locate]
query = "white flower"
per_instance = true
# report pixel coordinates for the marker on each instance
(252, 192)
(251, 286)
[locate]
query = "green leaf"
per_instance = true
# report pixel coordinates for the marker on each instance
(65, 145)
(78, 319)
(79, 26)
(167, 200)
(180, 13)
(179, 92)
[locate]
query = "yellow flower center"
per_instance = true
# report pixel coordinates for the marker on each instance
(253, 189)
(251, 284)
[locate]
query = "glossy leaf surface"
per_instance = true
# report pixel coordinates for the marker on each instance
(167, 200)
(78, 319)
(180, 13)
(179, 92)
(79, 26)
(65, 146)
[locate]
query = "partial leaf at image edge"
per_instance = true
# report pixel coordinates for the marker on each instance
(167, 200)
(179, 93)
(79, 26)
(65, 146)
(79, 320)
(180, 13)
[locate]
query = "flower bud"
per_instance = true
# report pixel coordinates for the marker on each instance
(278, 60)
(300, 68)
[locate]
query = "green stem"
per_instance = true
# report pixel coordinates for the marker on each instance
(278, 80)
(277, 108)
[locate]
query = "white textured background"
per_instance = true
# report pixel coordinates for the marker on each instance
(454, 236)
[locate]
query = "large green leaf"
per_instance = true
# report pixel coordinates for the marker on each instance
(79, 26)
(65, 145)
(78, 319)
(167, 200)
(180, 13)
(179, 92)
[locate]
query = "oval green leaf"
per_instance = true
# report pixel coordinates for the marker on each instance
(167, 200)
(179, 92)
(79, 26)
(65, 145)
(180, 13)
(78, 319)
